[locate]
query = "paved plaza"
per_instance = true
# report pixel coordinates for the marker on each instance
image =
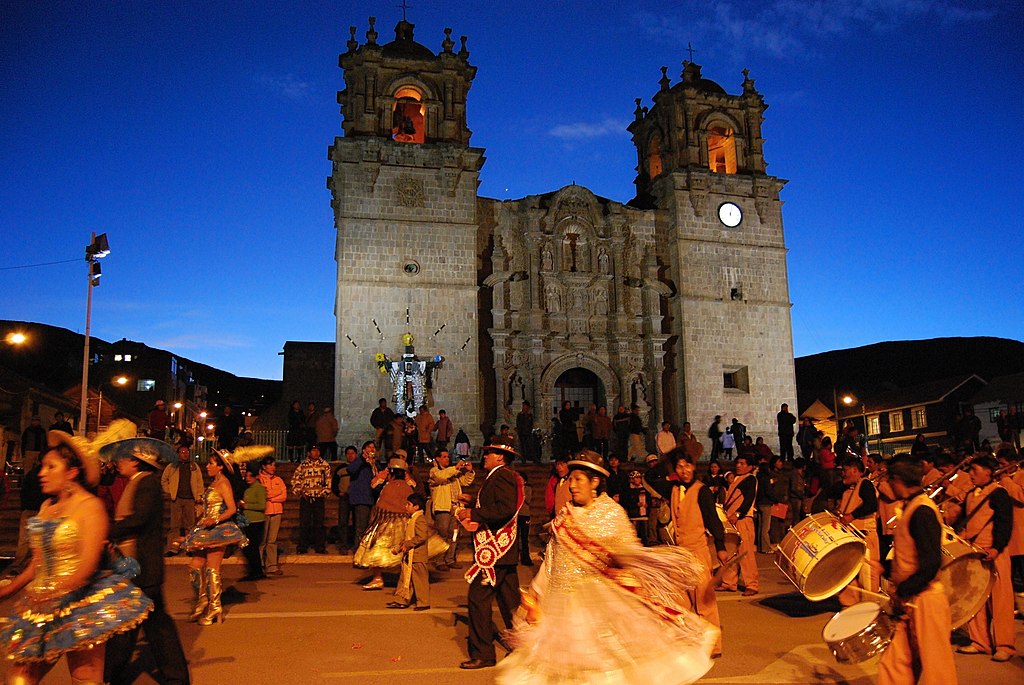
(314, 625)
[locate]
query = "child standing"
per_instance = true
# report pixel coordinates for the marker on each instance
(415, 580)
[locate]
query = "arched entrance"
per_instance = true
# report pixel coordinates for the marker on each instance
(578, 386)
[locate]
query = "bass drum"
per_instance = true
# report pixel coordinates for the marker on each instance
(820, 555)
(966, 576)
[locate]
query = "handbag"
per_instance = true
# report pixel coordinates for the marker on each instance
(780, 511)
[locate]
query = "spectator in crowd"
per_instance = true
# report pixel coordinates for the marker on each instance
(786, 424)
(920, 448)
(637, 448)
(424, 427)
(182, 483)
(505, 436)
(728, 442)
(665, 440)
(618, 479)
(309, 423)
(227, 429)
(446, 483)
(158, 421)
(660, 489)
(396, 434)
(602, 431)
(972, 428)
(341, 482)
(780, 479)
(739, 431)
(765, 499)
(277, 493)
(826, 458)
(416, 585)
(557, 443)
(715, 435)
(636, 501)
(462, 445)
(567, 418)
(327, 434)
(1015, 421)
(32, 498)
(797, 493)
(361, 473)
(295, 439)
(587, 420)
(444, 430)
(715, 480)
(556, 494)
(381, 419)
(620, 427)
(61, 424)
(254, 506)
(33, 443)
(689, 442)
(805, 437)
(761, 448)
(524, 431)
(852, 443)
(311, 483)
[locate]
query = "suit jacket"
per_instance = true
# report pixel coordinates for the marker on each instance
(418, 540)
(145, 524)
(496, 506)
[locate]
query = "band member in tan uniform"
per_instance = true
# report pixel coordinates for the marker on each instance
(987, 521)
(887, 501)
(931, 474)
(1013, 480)
(695, 519)
(858, 507)
(920, 651)
(739, 509)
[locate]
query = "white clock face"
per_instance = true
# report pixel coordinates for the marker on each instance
(730, 214)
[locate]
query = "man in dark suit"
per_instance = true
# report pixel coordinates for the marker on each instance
(137, 531)
(494, 571)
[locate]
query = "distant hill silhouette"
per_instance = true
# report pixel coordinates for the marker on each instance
(885, 366)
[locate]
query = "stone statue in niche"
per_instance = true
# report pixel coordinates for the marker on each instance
(603, 262)
(601, 302)
(552, 298)
(546, 263)
(569, 252)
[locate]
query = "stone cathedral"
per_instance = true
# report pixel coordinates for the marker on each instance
(676, 301)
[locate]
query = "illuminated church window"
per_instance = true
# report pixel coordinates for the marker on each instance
(721, 150)
(654, 158)
(407, 117)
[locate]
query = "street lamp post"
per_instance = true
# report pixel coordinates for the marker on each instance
(120, 380)
(95, 250)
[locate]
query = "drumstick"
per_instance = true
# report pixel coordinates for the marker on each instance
(716, 577)
(879, 595)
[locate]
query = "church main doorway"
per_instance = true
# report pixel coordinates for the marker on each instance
(580, 387)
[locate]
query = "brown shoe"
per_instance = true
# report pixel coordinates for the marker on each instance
(474, 664)
(968, 649)
(748, 592)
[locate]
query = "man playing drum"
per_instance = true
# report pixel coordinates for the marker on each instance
(739, 505)
(858, 507)
(920, 651)
(986, 522)
(695, 518)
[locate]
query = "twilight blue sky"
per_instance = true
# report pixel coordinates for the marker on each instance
(195, 134)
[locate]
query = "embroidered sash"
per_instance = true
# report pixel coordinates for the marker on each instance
(490, 546)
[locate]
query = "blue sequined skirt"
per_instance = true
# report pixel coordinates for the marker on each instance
(43, 631)
(221, 535)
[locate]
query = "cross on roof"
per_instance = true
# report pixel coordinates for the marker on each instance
(405, 6)
(689, 48)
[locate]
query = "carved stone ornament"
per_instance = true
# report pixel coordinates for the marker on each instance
(410, 192)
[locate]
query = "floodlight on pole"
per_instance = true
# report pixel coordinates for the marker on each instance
(97, 248)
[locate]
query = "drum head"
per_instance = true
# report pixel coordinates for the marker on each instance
(850, 621)
(967, 582)
(833, 571)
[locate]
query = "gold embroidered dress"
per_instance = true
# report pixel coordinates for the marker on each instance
(611, 611)
(45, 626)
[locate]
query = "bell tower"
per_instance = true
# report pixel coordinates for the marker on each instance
(403, 189)
(701, 167)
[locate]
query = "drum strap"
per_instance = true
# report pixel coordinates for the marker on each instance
(967, 519)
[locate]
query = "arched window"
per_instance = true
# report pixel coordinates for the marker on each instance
(407, 117)
(654, 167)
(721, 149)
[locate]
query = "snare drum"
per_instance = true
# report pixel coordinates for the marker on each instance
(732, 537)
(858, 633)
(820, 555)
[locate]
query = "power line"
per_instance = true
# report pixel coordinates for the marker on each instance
(32, 266)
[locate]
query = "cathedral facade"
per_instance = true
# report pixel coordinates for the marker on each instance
(676, 301)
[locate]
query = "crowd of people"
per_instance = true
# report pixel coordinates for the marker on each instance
(677, 527)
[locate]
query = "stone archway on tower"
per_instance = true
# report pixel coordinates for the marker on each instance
(548, 389)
